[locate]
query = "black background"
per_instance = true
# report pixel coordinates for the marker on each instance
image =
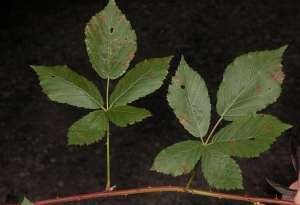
(36, 161)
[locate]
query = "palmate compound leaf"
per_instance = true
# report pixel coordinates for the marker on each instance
(110, 42)
(189, 99)
(26, 202)
(88, 129)
(248, 136)
(63, 85)
(143, 79)
(124, 115)
(179, 158)
(250, 83)
(221, 171)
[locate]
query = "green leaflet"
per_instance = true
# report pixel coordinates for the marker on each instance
(124, 115)
(26, 202)
(189, 99)
(179, 158)
(88, 129)
(110, 42)
(143, 79)
(220, 170)
(63, 85)
(249, 136)
(250, 83)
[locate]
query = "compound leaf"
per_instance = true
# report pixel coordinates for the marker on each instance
(26, 202)
(189, 99)
(250, 83)
(221, 171)
(179, 158)
(143, 79)
(124, 115)
(110, 42)
(88, 129)
(63, 85)
(249, 136)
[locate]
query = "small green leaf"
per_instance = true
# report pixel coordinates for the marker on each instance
(220, 170)
(179, 158)
(88, 129)
(110, 42)
(250, 83)
(63, 85)
(26, 202)
(143, 79)
(189, 99)
(124, 115)
(249, 136)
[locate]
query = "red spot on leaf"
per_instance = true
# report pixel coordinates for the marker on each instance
(232, 143)
(258, 89)
(123, 63)
(183, 121)
(184, 166)
(102, 17)
(266, 127)
(278, 77)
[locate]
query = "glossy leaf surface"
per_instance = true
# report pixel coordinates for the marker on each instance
(63, 85)
(110, 42)
(250, 83)
(143, 79)
(188, 97)
(124, 115)
(179, 158)
(249, 136)
(88, 129)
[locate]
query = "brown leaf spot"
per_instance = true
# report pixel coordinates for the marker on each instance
(120, 19)
(278, 77)
(258, 89)
(221, 101)
(123, 63)
(266, 127)
(232, 143)
(53, 95)
(150, 74)
(183, 121)
(69, 74)
(184, 166)
(176, 78)
(102, 17)
(116, 13)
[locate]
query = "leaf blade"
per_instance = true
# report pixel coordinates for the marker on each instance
(110, 42)
(221, 171)
(88, 129)
(249, 136)
(250, 83)
(188, 97)
(124, 115)
(26, 202)
(179, 158)
(63, 85)
(143, 79)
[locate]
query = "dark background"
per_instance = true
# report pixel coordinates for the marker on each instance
(36, 161)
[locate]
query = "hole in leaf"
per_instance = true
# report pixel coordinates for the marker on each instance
(111, 30)
(251, 138)
(182, 86)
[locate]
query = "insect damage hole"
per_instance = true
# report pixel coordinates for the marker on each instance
(182, 86)
(111, 30)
